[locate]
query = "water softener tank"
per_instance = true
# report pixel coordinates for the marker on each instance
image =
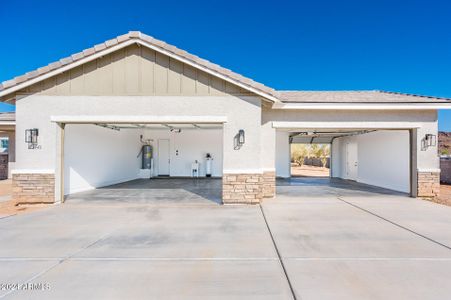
(208, 160)
(146, 157)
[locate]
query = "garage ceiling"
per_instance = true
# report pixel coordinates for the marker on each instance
(321, 136)
(171, 127)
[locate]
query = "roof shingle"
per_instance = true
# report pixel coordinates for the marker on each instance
(354, 97)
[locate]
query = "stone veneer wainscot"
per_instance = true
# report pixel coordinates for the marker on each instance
(33, 187)
(428, 184)
(269, 184)
(242, 188)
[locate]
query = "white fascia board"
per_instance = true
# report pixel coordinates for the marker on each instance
(345, 125)
(111, 119)
(123, 45)
(362, 106)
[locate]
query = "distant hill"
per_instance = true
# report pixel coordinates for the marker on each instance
(444, 142)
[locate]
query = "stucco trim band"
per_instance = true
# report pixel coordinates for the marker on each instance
(85, 119)
(344, 125)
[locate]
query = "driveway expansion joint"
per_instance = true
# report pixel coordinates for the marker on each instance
(339, 197)
(293, 293)
(59, 262)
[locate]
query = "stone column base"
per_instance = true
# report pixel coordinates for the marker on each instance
(33, 188)
(4, 166)
(428, 184)
(269, 184)
(242, 188)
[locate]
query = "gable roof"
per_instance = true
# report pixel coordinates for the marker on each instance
(125, 40)
(136, 37)
(355, 97)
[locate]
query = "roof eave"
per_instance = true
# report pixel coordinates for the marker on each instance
(65, 68)
(362, 106)
(123, 44)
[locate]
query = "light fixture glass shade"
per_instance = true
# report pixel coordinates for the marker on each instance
(431, 140)
(241, 138)
(28, 136)
(31, 136)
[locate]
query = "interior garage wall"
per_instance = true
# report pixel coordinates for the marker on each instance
(383, 159)
(282, 154)
(338, 154)
(191, 145)
(96, 157)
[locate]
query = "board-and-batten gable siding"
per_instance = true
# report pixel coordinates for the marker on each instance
(135, 71)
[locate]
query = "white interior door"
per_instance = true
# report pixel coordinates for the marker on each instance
(163, 157)
(351, 161)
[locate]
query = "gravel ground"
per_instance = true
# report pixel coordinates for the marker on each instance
(445, 195)
(8, 206)
(309, 171)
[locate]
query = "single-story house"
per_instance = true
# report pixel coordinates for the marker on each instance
(80, 123)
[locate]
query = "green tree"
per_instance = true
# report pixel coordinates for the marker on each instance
(315, 151)
(298, 153)
(325, 154)
(321, 152)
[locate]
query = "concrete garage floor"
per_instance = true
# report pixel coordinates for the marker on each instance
(336, 240)
(156, 191)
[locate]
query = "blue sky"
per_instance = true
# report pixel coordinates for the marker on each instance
(402, 46)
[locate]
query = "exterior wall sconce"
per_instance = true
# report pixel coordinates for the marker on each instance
(429, 140)
(31, 138)
(239, 140)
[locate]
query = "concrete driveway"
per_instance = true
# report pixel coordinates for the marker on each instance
(317, 240)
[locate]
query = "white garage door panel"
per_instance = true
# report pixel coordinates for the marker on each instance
(383, 159)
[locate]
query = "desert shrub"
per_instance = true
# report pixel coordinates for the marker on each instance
(325, 154)
(298, 153)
